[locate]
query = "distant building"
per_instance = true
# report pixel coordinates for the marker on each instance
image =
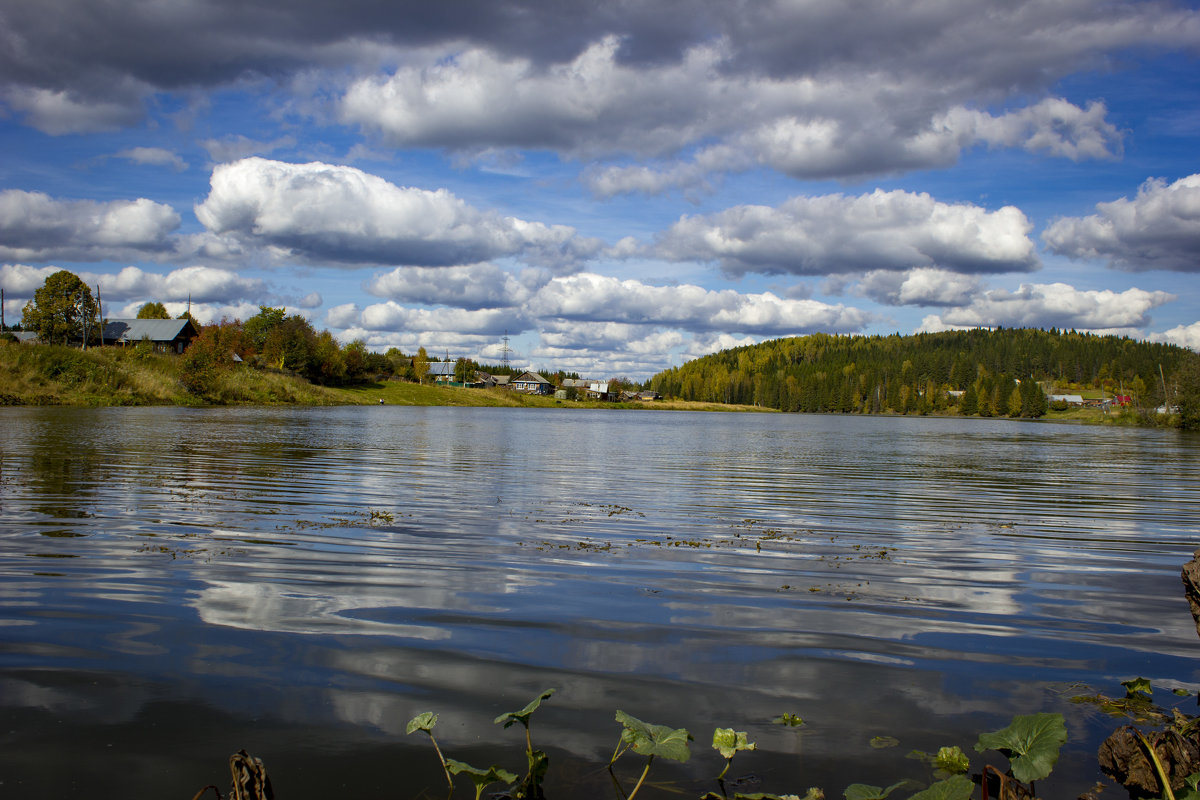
(166, 335)
(531, 383)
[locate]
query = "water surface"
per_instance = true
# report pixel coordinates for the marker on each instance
(177, 584)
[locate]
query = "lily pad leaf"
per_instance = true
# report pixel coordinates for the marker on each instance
(481, 777)
(422, 722)
(1135, 685)
(791, 720)
(881, 742)
(958, 787)
(654, 740)
(861, 791)
(1030, 742)
(727, 741)
(525, 713)
(952, 760)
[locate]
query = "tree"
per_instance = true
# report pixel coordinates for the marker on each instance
(153, 311)
(261, 324)
(1187, 393)
(62, 309)
(420, 364)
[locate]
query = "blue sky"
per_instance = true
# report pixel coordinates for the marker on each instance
(617, 187)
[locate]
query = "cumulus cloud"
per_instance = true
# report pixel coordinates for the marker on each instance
(1055, 305)
(237, 147)
(473, 287)
(339, 214)
(828, 124)
(1158, 229)
(596, 298)
(392, 316)
(199, 283)
(63, 111)
(831, 234)
(21, 281)
(1182, 335)
(37, 227)
(154, 156)
(920, 287)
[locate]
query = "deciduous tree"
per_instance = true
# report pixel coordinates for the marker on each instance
(62, 309)
(153, 310)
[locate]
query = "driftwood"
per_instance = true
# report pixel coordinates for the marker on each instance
(1191, 587)
(250, 781)
(1124, 757)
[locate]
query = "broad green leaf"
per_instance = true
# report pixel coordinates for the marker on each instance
(791, 720)
(727, 741)
(861, 791)
(952, 760)
(422, 722)
(1181, 693)
(523, 715)
(1030, 742)
(1192, 782)
(881, 742)
(654, 740)
(958, 787)
(1135, 685)
(481, 777)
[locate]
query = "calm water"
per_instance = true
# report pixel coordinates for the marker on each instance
(179, 584)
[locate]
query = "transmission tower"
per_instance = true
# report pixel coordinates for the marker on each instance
(504, 351)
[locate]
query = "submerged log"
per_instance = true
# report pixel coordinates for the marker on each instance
(1191, 587)
(250, 781)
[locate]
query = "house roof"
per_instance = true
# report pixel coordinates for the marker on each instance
(134, 330)
(530, 377)
(441, 368)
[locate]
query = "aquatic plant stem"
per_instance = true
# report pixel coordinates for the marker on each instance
(1158, 767)
(442, 759)
(646, 772)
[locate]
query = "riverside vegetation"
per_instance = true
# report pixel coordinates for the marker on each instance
(276, 358)
(1155, 755)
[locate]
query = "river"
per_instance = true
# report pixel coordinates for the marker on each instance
(178, 584)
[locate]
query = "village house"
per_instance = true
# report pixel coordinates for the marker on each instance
(165, 335)
(531, 383)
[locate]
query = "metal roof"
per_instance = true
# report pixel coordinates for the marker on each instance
(134, 330)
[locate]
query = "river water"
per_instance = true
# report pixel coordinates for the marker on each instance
(178, 584)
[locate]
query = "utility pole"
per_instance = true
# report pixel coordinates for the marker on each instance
(3, 327)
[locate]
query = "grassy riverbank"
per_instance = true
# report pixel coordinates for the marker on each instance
(50, 375)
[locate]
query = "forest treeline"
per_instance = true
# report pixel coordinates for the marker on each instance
(1001, 372)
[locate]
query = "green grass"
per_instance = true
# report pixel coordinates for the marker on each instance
(33, 375)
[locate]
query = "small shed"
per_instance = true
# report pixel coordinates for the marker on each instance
(166, 335)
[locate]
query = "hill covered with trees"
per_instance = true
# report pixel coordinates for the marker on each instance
(1002, 372)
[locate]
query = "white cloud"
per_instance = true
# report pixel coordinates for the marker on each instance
(1159, 229)
(62, 111)
(472, 287)
(21, 281)
(154, 156)
(920, 287)
(237, 146)
(829, 234)
(831, 121)
(1182, 335)
(596, 298)
(392, 316)
(1056, 305)
(200, 284)
(339, 214)
(37, 227)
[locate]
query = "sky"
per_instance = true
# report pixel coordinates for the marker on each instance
(609, 187)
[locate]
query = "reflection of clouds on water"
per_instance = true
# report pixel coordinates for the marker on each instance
(288, 609)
